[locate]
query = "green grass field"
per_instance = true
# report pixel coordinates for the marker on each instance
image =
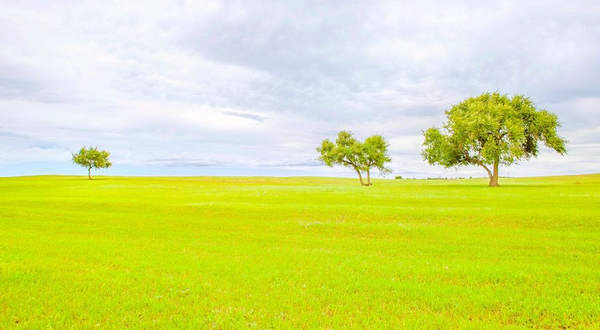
(229, 253)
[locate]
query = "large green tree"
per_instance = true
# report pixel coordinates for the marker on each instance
(92, 158)
(492, 129)
(357, 155)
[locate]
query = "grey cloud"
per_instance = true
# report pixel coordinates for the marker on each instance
(337, 66)
(245, 115)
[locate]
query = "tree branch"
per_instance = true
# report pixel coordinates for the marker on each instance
(349, 163)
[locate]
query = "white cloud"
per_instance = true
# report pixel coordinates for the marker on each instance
(259, 84)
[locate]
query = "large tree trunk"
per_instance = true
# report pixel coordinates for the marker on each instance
(494, 178)
(359, 177)
(90, 173)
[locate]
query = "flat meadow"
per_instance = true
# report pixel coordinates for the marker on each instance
(298, 253)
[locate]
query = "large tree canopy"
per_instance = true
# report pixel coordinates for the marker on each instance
(360, 156)
(92, 158)
(492, 129)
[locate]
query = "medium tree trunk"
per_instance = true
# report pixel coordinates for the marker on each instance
(90, 173)
(489, 173)
(369, 178)
(494, 178)
(359, 177)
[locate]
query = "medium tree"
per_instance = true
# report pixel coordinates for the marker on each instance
(359, 156)
(92, 158)
(492, 129)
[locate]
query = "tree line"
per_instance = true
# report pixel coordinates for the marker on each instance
(488, 130)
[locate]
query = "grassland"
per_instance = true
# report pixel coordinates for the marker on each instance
(230, 253)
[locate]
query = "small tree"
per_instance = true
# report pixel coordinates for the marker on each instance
(92, 158)
(492, 129)
(360, 156)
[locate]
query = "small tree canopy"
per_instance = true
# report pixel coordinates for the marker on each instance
(360, 156)
(92, 158)
(492, 129)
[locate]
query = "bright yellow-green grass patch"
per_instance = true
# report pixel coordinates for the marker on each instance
(211, 252)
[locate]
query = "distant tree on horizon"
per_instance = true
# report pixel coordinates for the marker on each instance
(359, 156)
(492, 129)
(92, 158)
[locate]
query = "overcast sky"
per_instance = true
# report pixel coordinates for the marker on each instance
(252, 87)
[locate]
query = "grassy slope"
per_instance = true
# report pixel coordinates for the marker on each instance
(298, 253)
